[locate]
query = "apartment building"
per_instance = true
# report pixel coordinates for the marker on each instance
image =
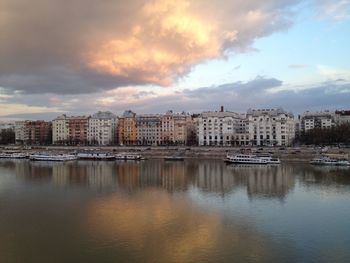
(342, 116)
(33, 132)
(60, 130)
(78, 129)
(102, 128)
(174, 128)
(149, 129)
(127, 128)
(222, 128)
(311, 120)
(270, 127)
(21, 132)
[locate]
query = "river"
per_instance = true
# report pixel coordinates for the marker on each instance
(158, 211)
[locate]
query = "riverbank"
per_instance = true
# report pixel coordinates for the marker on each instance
(291, 154)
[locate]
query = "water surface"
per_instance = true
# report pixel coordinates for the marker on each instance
(156, 211)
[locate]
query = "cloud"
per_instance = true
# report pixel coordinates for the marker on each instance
(297, 66)
(84, 46)
(260, 92)
(332, 73)
(337, 10)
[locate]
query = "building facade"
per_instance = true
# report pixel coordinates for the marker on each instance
(33, 132)
(40, 132)
(222, 128)
(102, 128)
(342, 117)
(269, 127)
(127, 129)
(21, 132)
(78, 130)
(60, 130)
(149, 129)
(311, 120)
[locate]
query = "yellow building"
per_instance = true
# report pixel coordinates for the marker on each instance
(127, 128)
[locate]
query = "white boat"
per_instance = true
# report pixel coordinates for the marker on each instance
(244, 159)
(343, 163)
(52, 157)
(13, 156)
(270, 159)
(95, 156)
(128, 156)
(324, 161)
(174, 158)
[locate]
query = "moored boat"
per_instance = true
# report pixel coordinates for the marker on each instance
(95, 156)
(174, 158)
(128, 156)
(245, 159)
(343, 163)
(270, 159)
(52, 157)
(327, 161)
(13, 155)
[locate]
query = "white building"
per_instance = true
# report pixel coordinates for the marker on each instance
(342, 117)
(60, 129)
(311, 120)
(222, 128)
(271, 127)
(102, 128)
(149, 129)
(21, 132)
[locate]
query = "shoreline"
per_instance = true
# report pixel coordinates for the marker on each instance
(290, 154)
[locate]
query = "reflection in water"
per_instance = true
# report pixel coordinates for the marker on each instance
(207, 176)
(163, 229)
(156, 211)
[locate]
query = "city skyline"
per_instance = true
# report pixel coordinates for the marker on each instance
(186, 55)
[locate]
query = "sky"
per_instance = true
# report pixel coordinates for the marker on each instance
(82, 56)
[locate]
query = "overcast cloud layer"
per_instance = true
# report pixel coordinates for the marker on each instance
(82, 46)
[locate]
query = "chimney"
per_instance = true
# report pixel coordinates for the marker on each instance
(222, 109)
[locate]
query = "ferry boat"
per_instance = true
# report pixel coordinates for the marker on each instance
(13, 156)
(343, 163)
(324, 161)
(128, 156)
(270, 159)
(95, 156)
(245, 159)
(174, 158)
(52, 157)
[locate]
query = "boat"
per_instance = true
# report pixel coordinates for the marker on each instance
(174, 158)
(245, 159)
(13, 155)
(324, 161)
(52, 157)
(270, 159)
(95, 156)
(343, 163)
(128, 156)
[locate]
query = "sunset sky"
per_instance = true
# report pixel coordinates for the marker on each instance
(81, 56)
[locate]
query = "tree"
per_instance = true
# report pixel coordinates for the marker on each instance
(7, 136)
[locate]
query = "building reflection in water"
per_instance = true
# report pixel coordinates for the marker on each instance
(207, 176)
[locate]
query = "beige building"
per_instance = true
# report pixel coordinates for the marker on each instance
(174, 128)
(102, 128)
(271, 127)
(60, 130)
(222, 128)
(70, 130)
